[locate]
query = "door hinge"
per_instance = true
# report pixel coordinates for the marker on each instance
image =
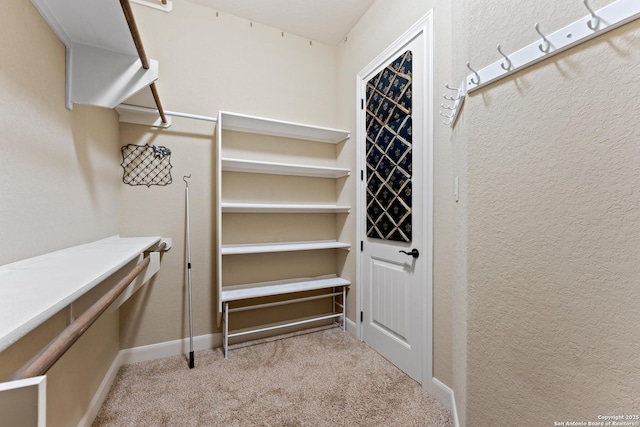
(361, 316)
(361, 174)
(361, 245)
(362, 103)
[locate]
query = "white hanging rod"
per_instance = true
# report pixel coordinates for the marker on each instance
(594, 24)
(167, 112)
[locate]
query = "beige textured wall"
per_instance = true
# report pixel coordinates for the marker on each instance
(383, 23)
(58, 166)
(58, 189)
(551, 198)
(210, 63)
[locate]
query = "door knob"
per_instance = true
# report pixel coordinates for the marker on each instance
(414, 253)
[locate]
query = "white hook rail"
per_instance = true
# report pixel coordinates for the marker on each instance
(594, 24)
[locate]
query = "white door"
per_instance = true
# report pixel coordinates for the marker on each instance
(395, 206)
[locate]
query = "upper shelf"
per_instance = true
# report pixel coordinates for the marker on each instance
(33, 290)
(103, 66)
(262, 126)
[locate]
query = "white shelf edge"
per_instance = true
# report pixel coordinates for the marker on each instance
(275, 168)
(263, 289)
(229, 207)
(264, 126)
(262, 248)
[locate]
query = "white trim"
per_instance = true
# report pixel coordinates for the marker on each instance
(423, 26)
(352, 328)
(446, 396)
(101, 394)
(168, 348)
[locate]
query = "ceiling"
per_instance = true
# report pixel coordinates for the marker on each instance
(326, 21)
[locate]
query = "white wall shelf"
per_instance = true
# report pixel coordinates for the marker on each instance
(34, 289)
(228, 207)
(264, 126)
(263, 248)
(265, 289)
(274, 168)
(103, 66)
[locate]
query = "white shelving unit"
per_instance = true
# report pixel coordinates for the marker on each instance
(290, 289)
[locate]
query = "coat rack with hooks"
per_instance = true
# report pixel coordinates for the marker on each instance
(592, 25)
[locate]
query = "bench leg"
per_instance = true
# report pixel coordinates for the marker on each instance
(344, 308)
(225, 330)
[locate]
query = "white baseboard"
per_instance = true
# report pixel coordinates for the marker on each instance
(169, 348)
(352, 328)
(445, 395)
(101, 394)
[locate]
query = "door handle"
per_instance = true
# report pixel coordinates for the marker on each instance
(414, 253)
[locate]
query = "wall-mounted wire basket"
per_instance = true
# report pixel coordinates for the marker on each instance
(146, 165)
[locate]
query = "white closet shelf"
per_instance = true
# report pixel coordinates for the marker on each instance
(262, 248)
(34, 289)
(265, 289)
(281, 208)
(263, 126)
(274, 168)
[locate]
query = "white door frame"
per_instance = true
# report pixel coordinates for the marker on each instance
(423, 26)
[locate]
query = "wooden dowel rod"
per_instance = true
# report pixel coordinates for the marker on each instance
(137, 40)
(133, 27)
(156, 98)
(164, 1)
(41, 362)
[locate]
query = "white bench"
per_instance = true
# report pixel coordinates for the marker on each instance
(230, 294)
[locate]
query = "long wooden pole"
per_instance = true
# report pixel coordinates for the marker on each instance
(41, 362)
(137, 41)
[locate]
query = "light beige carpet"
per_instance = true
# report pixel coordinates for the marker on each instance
(323, 378)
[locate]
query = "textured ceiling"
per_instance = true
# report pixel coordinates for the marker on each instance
(326, 21)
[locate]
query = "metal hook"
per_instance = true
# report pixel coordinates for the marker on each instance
(450, 98)
(593, 26)
(448, 108)
(477, 80)
(444, 115)
(184, 178)
(509, 64)
(451, 88)
(544, 39)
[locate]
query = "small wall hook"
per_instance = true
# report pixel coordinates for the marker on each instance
(509, 64)
(184, 178)
(544, 39)
(451, 88)
(444, 115)
(477, 79)
(450, 98)
(447, 107)
(594, 22)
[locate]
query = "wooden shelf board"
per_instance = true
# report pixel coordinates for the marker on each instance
(264, 126)
(228, 207)
(257, 290)
(262, 248)
(274, 168)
